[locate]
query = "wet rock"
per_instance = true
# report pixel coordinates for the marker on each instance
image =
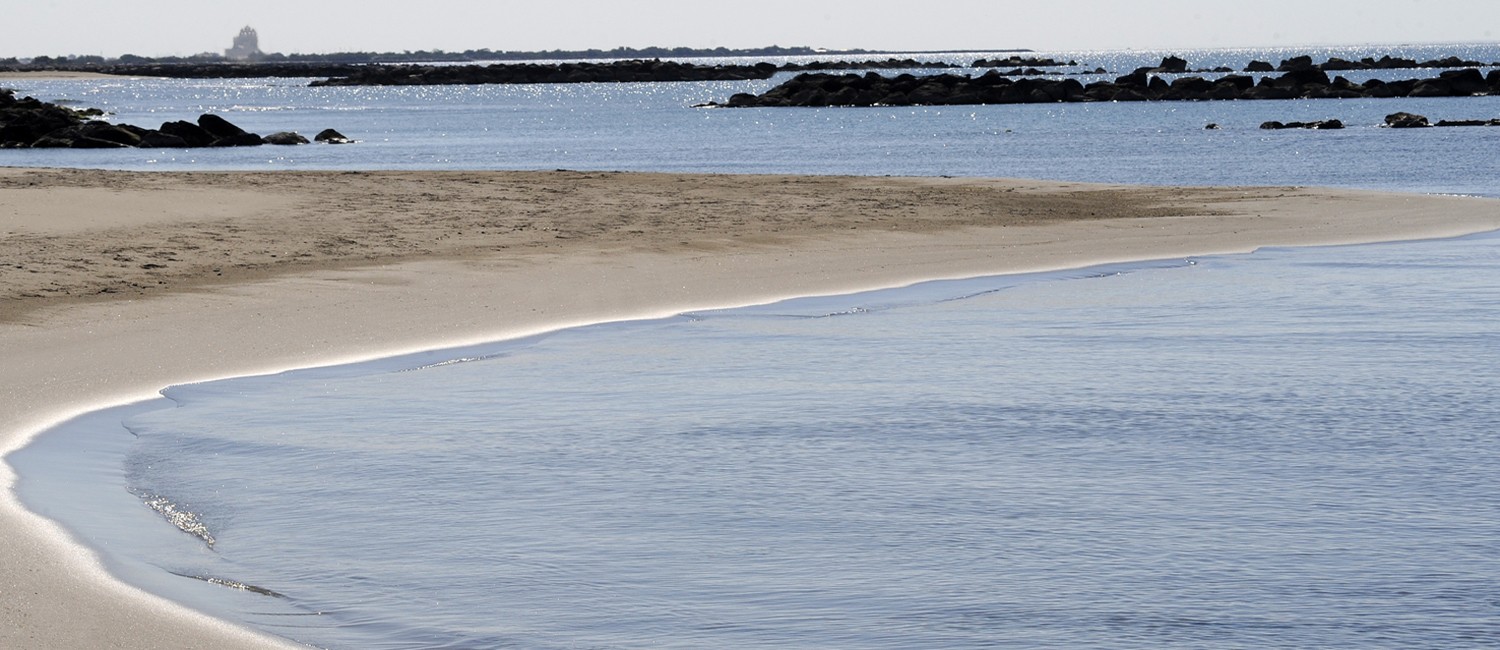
(1405, 120)
(330, 136)
(285, 138)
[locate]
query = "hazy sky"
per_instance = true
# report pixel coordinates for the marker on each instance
(178, 27)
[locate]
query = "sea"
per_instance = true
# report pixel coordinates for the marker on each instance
(1291, 448)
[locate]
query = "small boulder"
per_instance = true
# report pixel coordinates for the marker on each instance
(330, 136)
(1405, 120)
(285, 138)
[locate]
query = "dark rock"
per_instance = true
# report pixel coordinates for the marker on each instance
(1432, 88)
(190, 133)
(1260, 66)
(1296, 64)
(241, 140)
(110, 133)
(1405, 120)
(219, 127)
(1468, 81)
(1211, 126)
(330, 136)
(285, 138)
(1322, 125)
(1172, 64)
(583, 72)
(159, 140)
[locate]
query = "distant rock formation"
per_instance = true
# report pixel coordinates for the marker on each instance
(872, 89)
(530, 73)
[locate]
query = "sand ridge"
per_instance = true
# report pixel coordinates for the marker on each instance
(88, 234)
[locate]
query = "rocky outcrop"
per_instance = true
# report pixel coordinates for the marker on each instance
(285, 138)
(31, 123)
(1014, 61)
(871, 89)
(1335, 64)
(887, 64)
(618, 71)
(1320, 125)
(1406, 121)
(330, 136)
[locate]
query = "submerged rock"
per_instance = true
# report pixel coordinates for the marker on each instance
(330, 136)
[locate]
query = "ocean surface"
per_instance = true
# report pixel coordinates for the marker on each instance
(653, 127)
(1292, 448)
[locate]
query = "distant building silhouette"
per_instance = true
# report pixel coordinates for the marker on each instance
(246, 46)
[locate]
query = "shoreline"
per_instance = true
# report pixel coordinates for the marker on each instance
(598, 247)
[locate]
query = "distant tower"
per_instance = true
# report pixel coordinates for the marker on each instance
(246, 46)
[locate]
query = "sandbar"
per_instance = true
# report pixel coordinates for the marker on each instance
(114, 285)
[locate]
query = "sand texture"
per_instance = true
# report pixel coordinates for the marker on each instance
(116, 284)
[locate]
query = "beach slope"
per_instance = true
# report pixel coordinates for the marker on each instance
(116, 284)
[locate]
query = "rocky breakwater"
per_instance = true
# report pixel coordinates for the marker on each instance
(870, 89)
(30, 123)
(616, 71)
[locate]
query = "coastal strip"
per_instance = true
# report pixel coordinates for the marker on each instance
(116, 284)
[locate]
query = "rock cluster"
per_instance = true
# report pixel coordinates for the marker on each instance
(887, 64)
(530, 73)
(870, 89)
(1319, 125)
(1335, 64)
(1021, 62)
(28, 122)
(1413, 121)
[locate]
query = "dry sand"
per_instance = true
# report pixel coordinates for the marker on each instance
(115, 284)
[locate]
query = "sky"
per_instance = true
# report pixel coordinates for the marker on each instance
(179, 27)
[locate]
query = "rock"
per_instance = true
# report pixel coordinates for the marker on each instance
(1320, 125)
(581, 72)
(159, 140)
(1211, 126)
(1172, 64)
(241, 140)
(1296, 64)
(1405, 120)
(1260, 66)
(190, 133)
(1468, 122)
(219, 127)
(285, 138)
(330, 136)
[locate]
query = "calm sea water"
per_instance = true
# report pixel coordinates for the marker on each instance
(653, 127)
(1294, 448)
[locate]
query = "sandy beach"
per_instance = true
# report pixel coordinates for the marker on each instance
(116, 284)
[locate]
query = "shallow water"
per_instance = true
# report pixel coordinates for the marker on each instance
(1290, 448)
